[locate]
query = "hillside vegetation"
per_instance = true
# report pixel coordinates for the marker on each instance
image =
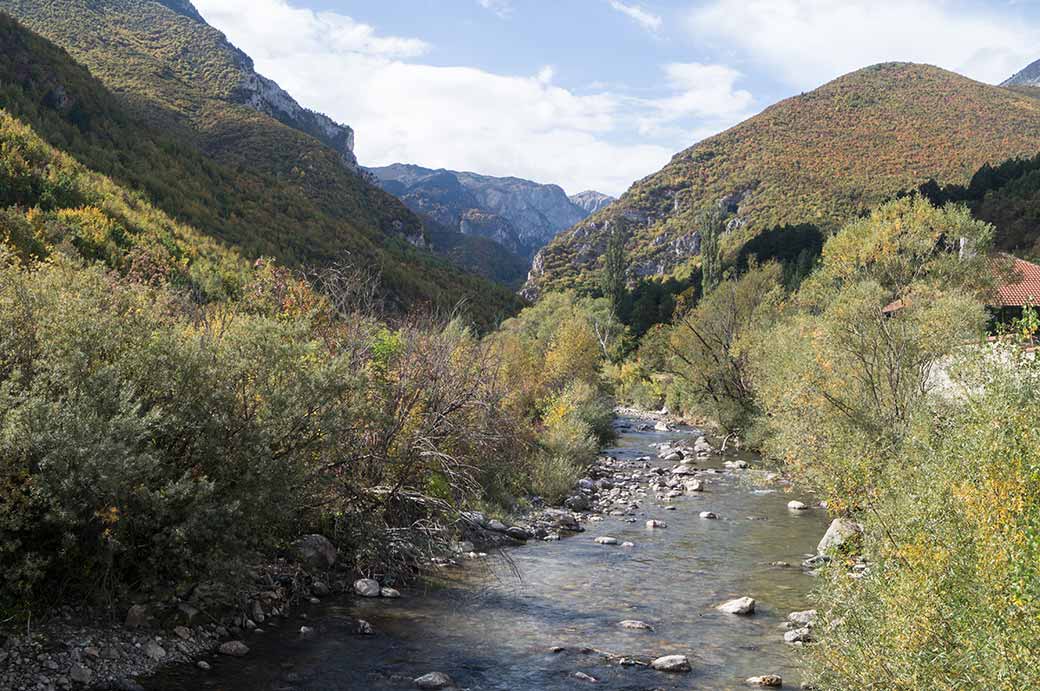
(233, 173)
(821, 158)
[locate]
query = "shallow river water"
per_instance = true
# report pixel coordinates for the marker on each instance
(492, 625)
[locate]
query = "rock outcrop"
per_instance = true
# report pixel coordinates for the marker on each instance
(591, 201)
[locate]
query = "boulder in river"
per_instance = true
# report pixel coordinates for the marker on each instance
(389, 592)
(796, 506)
(367, 587)
(606, 540)
(635, 625)
(709, 515)
(798, 636)
(315, 551)
(804, 617)
(656, 524)
(741, 605)
(661, 426)
(671, 663)
(434, 680)
(840, 532)
(773, 681)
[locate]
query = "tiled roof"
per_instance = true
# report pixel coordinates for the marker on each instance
(1024, 286)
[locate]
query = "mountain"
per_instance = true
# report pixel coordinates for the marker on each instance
(591, 200)
(152, 97)
(520, 215)
(1028, 76)
(819, 158)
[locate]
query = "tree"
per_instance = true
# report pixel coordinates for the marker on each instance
(711, 224)
(615, 266)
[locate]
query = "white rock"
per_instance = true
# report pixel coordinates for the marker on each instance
(796, 506)
(804, 617)
(767, 680)
(802, 635)
(434, 680)
(671, 663)
(389, 592)
(656, 524)
(367, 587)
(709, 515)
(741, 606)
(635, 624)
(840, 531)
(234, 649)
(606, 540)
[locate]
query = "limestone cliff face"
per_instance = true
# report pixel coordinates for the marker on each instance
(591, 201)
(521, 215)
(264, 95)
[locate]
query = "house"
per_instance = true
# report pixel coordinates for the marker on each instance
(1022, 289)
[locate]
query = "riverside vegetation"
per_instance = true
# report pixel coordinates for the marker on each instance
(903, 421)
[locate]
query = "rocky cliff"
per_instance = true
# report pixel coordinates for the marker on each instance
(521, 215)
(591, 201)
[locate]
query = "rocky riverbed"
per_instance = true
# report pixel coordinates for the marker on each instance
(671, 566)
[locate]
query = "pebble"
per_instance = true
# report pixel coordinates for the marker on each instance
(203, 665)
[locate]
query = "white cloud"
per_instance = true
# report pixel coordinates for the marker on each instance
(648, 20)
(808, 42)
(471, 119)
(503, 8)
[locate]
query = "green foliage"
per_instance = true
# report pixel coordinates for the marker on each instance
(707, 349)
(711, 224)
(952, 595)
(613, 280)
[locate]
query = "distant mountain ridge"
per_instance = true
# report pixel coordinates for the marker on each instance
(820, 158)
(591, 201)
(1027, 76)
(519, 214)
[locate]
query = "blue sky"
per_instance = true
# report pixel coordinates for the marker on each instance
(591, 93)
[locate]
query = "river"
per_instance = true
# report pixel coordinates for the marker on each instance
(494, 624)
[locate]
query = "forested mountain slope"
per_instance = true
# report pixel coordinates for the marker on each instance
(820, 158)
(161, 110)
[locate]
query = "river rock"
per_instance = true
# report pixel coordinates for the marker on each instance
(518, 533)
(389, 592)
(841, 531)
(661, 426)
(606, 540)
(321, 589)
(693, 485)
(671, 663)
(434, 680)
(154, 650)
(628, 544)
(798, 636)
(767, 680)
(581, 676)
(656, 524)
(497, 526)
(315, 551)
(635, 625)
(364, 628)
(741, 605)
(709, 515)
(804, 617)
(81, 674)
(136, 617)
(579, 502)
(367, 587)
(203, 665)
(735, 465)
(796, 506)
(234, 649)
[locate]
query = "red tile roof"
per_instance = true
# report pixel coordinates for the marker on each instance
(1024, 286)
